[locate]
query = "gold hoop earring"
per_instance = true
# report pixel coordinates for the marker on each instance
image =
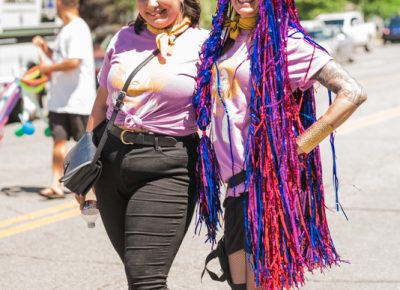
(183, 7)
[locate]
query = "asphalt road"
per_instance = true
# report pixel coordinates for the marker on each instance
(45, 245)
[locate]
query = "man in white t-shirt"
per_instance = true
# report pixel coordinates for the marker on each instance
(72, 85)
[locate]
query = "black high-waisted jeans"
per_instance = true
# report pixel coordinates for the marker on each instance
(146, 201)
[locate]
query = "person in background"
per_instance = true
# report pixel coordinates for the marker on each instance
(72, 85)
(145, 192)
(255, 94)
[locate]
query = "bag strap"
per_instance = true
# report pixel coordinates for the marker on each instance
(119, 102)
(213, 255)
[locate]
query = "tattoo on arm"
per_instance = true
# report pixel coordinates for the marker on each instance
(336, 79)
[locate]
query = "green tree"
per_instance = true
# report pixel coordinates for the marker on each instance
(308, 9)
(378, 7)
(106, 12)
(207, 11)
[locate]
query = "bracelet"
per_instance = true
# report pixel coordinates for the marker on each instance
(314, 135)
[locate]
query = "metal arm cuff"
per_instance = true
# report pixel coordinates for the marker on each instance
(314, 135)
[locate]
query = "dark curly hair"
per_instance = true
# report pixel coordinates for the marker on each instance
(191, 9)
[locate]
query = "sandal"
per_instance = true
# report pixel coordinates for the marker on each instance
(51, 193)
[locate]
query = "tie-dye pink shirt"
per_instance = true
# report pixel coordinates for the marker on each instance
(160, 96)
(235, 89)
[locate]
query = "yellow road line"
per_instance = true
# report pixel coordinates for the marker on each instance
(369, 121)
(37, 214)
(38, 223)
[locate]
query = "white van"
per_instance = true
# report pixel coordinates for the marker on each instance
(20, 21)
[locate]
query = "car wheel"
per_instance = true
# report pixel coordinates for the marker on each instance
(369, 45)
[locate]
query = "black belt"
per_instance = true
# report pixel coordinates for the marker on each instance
(237, 179)
(144, 138)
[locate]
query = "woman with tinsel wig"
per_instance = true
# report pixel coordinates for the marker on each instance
(255, 106)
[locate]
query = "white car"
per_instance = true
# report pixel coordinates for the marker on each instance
(352, 23)
(337, 43)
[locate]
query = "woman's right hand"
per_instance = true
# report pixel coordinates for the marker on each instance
(91, 195)
(80, 199)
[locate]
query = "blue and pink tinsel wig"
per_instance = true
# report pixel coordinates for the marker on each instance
(286, 227)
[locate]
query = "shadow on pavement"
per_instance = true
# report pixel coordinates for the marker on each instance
(15, 191)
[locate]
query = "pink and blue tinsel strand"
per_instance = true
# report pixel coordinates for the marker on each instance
(208, 177)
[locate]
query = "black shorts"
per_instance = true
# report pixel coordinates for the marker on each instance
(234, 232)
(64, 126)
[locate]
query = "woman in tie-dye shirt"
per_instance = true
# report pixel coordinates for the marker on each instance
(145, 192)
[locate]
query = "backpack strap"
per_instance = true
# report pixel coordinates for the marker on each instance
(219, 253)
(213, 276)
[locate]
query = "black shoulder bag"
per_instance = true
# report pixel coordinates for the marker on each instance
(82, 165)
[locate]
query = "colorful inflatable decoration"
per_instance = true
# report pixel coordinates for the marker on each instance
(8, 100)
(33, 81)
(30, 84)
